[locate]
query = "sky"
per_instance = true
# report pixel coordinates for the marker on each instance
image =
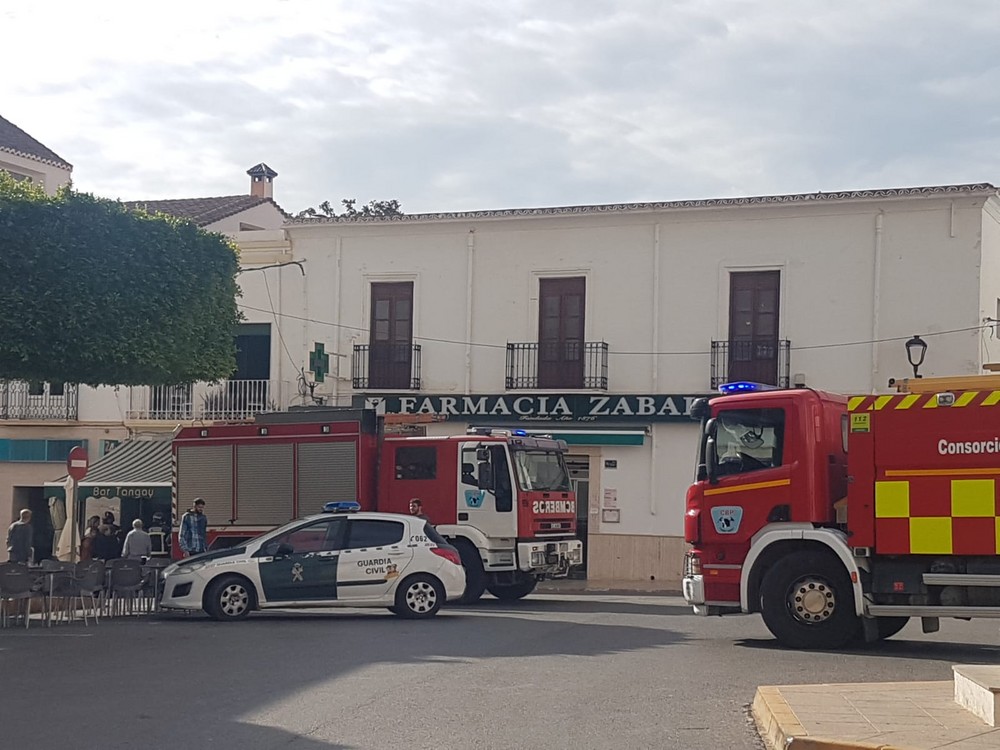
(462, 105)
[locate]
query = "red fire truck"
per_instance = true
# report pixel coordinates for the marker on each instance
(839, 518)
(502, 497)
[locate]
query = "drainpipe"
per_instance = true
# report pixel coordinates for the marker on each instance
(336, 319)
(470, 257)
(876, 297)
(656, 367)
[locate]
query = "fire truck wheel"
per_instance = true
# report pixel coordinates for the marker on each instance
(511, 591)
(475, 576)
(807, 603)
(419, 596)
(229, 598)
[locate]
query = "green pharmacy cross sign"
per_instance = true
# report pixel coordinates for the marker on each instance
(319, 362)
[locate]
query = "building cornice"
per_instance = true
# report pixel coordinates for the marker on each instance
(968, 190)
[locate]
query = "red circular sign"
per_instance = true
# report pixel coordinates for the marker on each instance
(77, 463)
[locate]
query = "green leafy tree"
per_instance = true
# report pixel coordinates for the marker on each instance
(100, 294)
(372, 209)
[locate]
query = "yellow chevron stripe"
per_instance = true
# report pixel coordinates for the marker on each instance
(755, 486)
(908, 401)
(992, 399)
(965, 398)
(856, 401)
(882, 401)
(931, 403)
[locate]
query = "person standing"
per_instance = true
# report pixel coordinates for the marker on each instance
(194, 529)
(137, 542)
(19, 538)
(417, 508)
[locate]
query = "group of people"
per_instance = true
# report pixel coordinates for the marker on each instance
(107, 540)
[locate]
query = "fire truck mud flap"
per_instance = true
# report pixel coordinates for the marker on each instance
(552, 559)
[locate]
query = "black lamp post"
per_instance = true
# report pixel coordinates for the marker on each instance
(916, 348)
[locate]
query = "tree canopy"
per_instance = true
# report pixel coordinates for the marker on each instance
(97, 293)
(372, 209)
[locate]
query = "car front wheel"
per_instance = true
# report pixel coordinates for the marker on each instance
(229, 598)
(419, 596)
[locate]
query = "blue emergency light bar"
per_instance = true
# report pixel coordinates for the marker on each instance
(342, 506)
(744, 386)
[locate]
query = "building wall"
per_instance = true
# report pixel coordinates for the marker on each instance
(49, 176)
(265, 216)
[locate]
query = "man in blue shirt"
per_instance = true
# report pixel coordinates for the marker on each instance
(194, 528)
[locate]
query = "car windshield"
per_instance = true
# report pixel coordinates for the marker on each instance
(541, 470)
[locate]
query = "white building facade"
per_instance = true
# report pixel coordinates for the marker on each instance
(602, 324)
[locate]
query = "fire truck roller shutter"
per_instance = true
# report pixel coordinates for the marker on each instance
(328, 472)
(205, 472)
(264, 484)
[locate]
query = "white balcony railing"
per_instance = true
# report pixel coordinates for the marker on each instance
(226, 400)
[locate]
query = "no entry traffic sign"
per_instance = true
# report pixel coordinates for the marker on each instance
(77, 463)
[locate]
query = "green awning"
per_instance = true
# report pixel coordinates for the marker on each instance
(133, 462)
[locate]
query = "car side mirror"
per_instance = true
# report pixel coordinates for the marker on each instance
(284, 550)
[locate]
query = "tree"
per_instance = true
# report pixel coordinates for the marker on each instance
(372, 209)
(100, 294)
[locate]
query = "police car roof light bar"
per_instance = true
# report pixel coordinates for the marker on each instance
(745, 386)
(342, 506)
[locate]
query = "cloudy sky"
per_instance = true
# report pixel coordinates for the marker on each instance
(476, 104)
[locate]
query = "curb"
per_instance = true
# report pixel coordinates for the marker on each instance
(780, 728)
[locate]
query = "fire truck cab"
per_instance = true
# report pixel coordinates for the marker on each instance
(840, 518)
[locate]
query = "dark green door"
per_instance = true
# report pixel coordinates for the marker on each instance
(309, 571)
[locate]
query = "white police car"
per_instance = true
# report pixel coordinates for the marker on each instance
(338, 558)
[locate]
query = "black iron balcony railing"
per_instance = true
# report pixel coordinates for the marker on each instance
(567, 364)
(20, 399)
(395, 366)
(757, 360)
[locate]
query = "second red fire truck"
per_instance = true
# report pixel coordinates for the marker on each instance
(502, 497)
(839, 518)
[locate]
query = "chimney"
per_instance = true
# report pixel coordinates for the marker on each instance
(261, 181)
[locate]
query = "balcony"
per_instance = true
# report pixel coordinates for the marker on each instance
(20, 399)
(571, 365)
(386, 366)
(227, 400)
(757, 360)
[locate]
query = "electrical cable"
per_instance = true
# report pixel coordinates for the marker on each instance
(866, 342)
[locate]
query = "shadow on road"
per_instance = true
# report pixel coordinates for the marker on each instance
(900, 648)
(190, 682)
(582, 605)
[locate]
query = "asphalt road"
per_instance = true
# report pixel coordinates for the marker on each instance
(557, 671)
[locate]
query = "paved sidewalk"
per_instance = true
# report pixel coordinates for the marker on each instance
(911, 715)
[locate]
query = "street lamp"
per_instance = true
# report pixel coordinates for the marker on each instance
(916, 348)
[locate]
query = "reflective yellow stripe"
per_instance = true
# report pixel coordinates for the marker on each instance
(992, 399)
(882, 401)
(931, 403)
(942, 472)
(755, 486)
(965, 398)
(908, 401)
(855, 401)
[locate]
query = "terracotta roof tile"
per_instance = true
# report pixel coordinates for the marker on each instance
(205, 211)
(15, 141)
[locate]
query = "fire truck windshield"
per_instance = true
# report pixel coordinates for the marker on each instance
(541, 470)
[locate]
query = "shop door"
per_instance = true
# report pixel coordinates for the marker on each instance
(579, 477)
(753, 326)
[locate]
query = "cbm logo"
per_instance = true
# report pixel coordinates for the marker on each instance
(727, 518)
(475, 498)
